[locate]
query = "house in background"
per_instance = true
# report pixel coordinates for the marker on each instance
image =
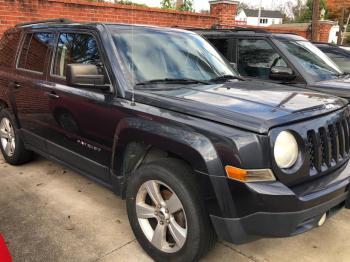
(251, 17)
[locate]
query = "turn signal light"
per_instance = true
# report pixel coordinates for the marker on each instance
(249, 175)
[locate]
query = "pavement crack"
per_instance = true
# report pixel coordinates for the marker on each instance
(251, 258)
(116, 249)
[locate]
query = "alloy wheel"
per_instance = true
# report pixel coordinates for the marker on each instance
(7, 137)
(161, 216)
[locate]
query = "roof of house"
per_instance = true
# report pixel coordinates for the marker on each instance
(264, 13)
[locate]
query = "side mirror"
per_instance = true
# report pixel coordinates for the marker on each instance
(281, 73)
(84, 75)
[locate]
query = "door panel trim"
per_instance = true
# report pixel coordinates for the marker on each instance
(66, 157)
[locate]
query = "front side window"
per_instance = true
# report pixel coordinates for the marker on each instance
(74, 48)
(152, 54)
(34, 51)
(312, 60)
(256, 57)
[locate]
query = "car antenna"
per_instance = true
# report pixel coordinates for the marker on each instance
(132, 51)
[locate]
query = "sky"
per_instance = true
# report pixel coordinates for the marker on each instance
(204, 4)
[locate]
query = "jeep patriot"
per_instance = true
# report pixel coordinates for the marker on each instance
(161, 118)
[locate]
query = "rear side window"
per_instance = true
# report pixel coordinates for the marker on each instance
(34, 51)
(227, 47)
(8, 48)
(222, 45)
(74, 48)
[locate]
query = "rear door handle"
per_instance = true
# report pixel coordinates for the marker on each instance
(52, 95)
(16, 85)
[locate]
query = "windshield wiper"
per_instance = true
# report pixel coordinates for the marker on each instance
(173, 81)
(226, 78)
(344, 75)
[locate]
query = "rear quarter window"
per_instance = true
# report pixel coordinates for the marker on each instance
(8, 48)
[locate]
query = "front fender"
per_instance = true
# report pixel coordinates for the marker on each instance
(185, 142)
(180, 140)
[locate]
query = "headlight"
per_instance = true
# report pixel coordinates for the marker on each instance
(286, 150)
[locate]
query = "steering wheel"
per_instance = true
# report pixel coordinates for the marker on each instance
(275, 61)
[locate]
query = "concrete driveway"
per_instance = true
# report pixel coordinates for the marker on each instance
(49, 213)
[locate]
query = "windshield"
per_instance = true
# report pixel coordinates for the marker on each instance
(312, 60)
(152, 54)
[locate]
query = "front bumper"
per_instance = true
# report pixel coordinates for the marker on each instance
(265, 224)
(274, 210)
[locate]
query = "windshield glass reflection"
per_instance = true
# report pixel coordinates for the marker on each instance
(312, 60)
(153, 54)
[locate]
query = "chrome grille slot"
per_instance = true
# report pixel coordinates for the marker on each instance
(334, 142)
(325, 147)
(311, 147)
(346, 135)
(341, 139)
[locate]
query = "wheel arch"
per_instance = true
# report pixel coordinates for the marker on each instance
(141, 141)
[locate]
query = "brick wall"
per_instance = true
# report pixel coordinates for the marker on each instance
(325, 27)
(19, 11)
(222, 14)
(304, 29)
(225, 12)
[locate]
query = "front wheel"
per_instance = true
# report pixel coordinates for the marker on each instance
(11, 143)
(166, 213)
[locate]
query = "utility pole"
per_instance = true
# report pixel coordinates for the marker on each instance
(341, 25)
(346, 26)
(259, 15)
(315, 18)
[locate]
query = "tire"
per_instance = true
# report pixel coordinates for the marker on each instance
(15, 153)
(171, 177)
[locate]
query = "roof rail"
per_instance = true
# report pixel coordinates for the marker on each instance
(247, 29)
(58, 20)
(234, 29)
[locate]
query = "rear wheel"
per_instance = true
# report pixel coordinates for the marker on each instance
(166, 213)
(11, 143)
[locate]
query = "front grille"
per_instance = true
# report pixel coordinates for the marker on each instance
(329, 145)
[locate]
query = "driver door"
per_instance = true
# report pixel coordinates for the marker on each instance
(80, 123)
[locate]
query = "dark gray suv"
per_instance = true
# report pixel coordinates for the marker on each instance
(160, 117)
(286, 59)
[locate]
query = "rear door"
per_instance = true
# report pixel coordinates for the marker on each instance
(9, 44)
(30, 75)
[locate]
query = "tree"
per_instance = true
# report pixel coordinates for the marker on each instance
(167, 4)
(187, 6)
(303, 12)
(242, 6)
(288, 10)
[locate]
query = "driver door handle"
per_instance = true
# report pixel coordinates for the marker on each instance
(52, 95)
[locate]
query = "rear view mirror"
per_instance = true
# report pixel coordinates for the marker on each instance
(234, 65)
(84, 75)
(281, 73)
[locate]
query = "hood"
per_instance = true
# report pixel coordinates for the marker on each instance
(253, 105)
(338, 87)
